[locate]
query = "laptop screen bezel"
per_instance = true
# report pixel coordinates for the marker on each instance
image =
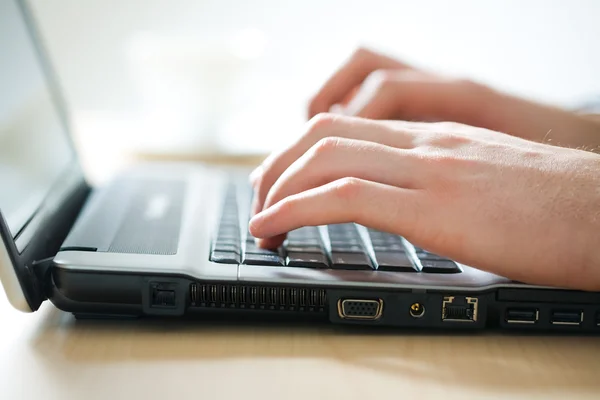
(41, 237)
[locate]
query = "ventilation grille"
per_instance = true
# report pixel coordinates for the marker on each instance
(258, 297)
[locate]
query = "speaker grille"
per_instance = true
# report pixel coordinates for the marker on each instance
(153, 220)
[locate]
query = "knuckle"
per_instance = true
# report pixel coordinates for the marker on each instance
(325, 146)
(361, 52)
(320, 123)
(449, 127)
(448, 135)
(443, 172)
(453, 140)
(348, 188)
(441, 161)
(434, 160)
(287, 205)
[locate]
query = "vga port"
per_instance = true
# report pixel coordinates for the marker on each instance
(360, 309)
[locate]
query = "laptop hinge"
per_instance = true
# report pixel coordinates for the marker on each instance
(39, 271)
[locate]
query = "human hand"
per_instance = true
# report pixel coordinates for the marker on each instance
(524, 210)
(372, 85)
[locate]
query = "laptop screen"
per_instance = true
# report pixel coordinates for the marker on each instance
(34, 146)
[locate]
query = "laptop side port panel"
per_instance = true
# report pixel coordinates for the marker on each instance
(549, 317)
(164, 296)
(407, 309)
(548, 310)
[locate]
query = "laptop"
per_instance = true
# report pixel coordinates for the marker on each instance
(171, 239)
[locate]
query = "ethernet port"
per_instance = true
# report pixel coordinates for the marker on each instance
(459, 309)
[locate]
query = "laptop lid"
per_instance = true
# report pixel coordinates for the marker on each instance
(42, 186)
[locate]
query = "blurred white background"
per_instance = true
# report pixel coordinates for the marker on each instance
(182, 76)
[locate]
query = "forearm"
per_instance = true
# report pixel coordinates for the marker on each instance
(592, 117)
(547, 124)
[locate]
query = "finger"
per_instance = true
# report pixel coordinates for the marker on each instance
(348, 77)
(322, 126)
(372, 204)
(253, 177)
(416, 95)
(335, 158)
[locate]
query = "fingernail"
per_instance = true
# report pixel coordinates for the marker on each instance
(254, 221)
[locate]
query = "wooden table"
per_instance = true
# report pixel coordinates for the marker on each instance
(50, 355)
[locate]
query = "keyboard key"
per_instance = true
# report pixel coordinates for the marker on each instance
(347, 248)
(304, 249)
(262, 259)
(234, 248)
(305, 233)
(440, 267)
(340, 242)
(312, 260)
(397, 262)
(229, 224)
(252, 248)
(425, 255)
(228, 236)
(304, 242)
(225, 257)
(343, 235)
(397, 248)
(350, 261)
(390, 240)
(341, 229)
(231, 241)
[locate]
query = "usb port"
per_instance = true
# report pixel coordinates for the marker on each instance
(598, 319)
(566, 317)
(522, 315)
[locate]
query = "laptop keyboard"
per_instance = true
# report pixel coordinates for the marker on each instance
(338, 246)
